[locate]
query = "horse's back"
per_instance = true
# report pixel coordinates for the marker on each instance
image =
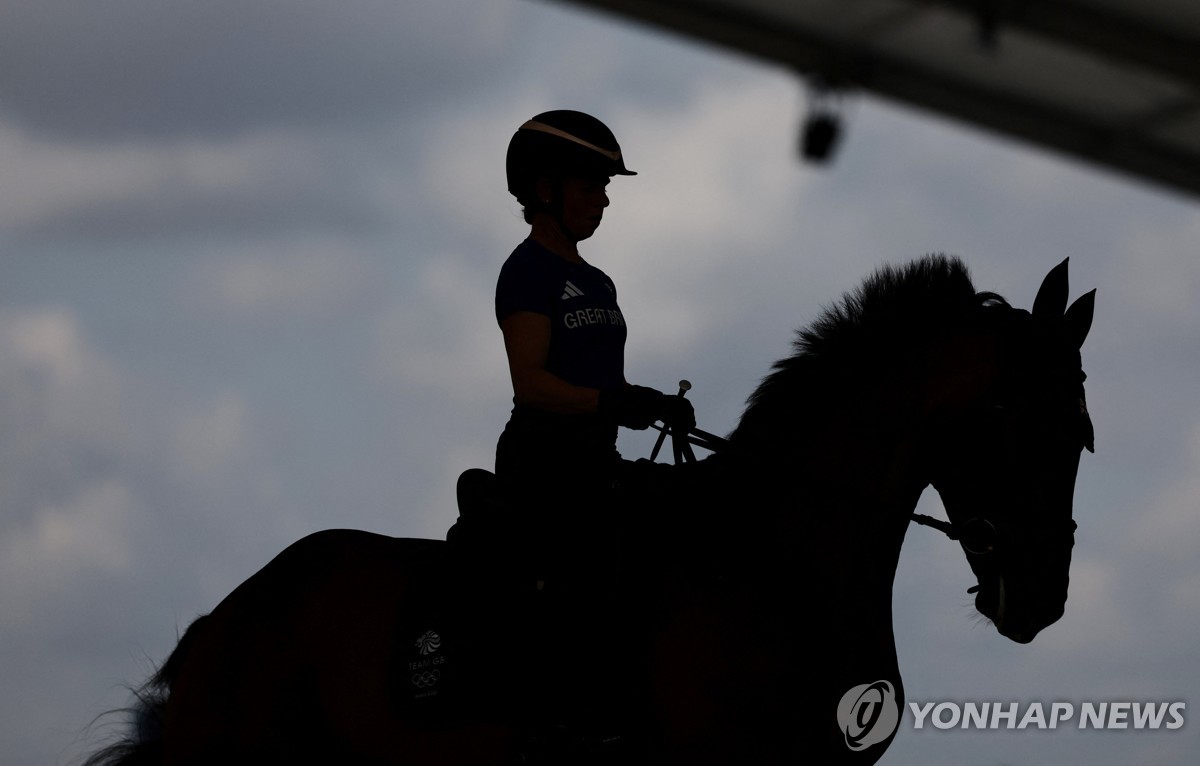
(312, 558)
(310, 654)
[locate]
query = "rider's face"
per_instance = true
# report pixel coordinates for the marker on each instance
(584, 199)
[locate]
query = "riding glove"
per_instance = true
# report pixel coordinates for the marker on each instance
(677, 414)
(637, 407)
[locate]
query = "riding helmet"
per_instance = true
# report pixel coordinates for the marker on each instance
(561, 143)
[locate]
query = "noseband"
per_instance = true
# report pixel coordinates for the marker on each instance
(977, 536)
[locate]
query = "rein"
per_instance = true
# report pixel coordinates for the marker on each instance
(942, 526)
(681, 446)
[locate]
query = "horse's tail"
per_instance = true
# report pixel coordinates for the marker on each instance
(142, 745)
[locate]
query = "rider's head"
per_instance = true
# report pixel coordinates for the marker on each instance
(555, 150)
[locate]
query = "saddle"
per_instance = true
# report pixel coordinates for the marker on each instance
(482, 500)
(461, 625)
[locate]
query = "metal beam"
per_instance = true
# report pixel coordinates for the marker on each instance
(1109, 147)
(1104, 34)
(1118, 146)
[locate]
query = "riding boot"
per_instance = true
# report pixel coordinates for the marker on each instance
(491, 597)
(594, 658)
(591, 707)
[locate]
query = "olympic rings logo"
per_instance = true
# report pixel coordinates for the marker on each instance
(427, 678)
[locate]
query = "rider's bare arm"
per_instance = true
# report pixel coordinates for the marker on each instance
(527, 343)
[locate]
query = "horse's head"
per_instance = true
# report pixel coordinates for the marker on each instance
(1008, 448)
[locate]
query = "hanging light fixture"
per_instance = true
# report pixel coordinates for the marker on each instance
(822, 129)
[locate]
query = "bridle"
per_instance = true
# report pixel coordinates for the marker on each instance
(978, 536)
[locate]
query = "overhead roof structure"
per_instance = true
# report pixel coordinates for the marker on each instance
(1112, 82)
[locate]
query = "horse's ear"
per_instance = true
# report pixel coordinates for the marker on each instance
(1079, 318)
(1051, 298)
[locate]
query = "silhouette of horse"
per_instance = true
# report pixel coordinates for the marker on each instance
(767, 566)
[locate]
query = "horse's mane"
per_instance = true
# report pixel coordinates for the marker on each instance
(856, 340)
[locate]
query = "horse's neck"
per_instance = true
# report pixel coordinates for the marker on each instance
(839, 496)
(820, 556)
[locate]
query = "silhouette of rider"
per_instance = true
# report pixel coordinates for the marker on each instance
(564, 335)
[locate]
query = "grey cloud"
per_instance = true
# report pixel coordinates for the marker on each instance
(253, 185)
(156, 68)
(222, 214)
(58, 414)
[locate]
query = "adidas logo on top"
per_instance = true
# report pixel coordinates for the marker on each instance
(571, 291)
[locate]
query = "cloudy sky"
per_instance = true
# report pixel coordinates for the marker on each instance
(247, 255)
